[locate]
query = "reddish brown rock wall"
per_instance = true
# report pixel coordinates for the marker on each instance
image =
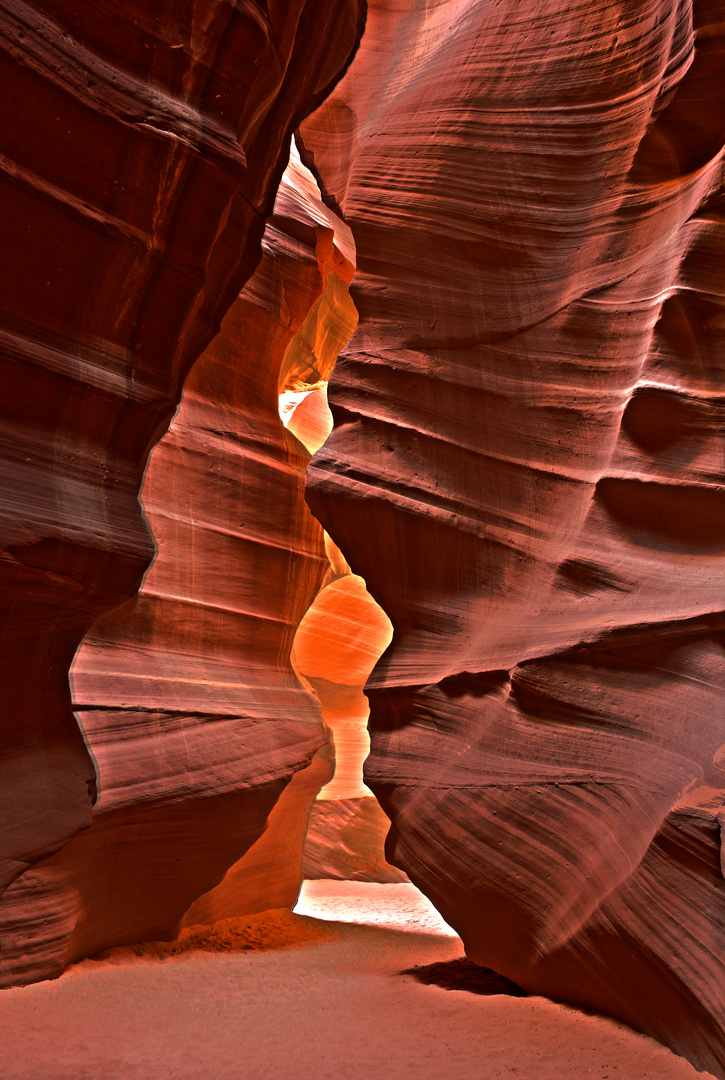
(527, 470)
(188, 701)
(141, 150)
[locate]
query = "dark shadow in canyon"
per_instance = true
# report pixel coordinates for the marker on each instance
(463, 974)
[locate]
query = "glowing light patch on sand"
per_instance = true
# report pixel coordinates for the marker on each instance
(395, 907)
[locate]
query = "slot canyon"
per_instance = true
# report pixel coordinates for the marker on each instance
(363, 503)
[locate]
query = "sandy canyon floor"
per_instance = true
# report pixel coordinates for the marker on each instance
(315, 995)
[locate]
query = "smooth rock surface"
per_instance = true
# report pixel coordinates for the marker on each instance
(527, 470)
(345, 841)
(337, 644)
(342, 635)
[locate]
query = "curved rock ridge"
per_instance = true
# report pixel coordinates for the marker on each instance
(188, 701)
(527, 470)
(338, 642)
(141, 155)
(344, 632)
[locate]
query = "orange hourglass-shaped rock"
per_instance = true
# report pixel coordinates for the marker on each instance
(338, 643)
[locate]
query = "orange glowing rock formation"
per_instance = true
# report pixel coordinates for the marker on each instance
(337, 644)
(527, 470)
(336, 647)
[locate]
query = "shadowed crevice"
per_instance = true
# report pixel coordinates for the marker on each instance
(463, 974)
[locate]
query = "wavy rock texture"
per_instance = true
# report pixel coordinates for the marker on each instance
(527, 470)
(338, 642)
(345, 841)
(189, 701)
(141, 155)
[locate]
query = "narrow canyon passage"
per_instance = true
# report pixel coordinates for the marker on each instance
(468, 640)
(344, 632)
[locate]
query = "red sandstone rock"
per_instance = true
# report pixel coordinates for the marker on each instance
(338, 642)
(268, 876)
(141, 155)
(336, 646)
(345, 841)
(189, 701)
(526, 468)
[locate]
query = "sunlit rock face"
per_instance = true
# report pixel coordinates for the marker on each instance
(335, 649)
(338, 642)
(526, 469)
(141, 156)
(344, 632)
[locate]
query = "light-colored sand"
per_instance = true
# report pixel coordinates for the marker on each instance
(333, 1006)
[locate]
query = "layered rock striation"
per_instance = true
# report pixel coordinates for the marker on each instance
(142, 151)
(527, 470)
(337, 644)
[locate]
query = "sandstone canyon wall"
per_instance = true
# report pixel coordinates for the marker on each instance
(142, 149)
(527, 470)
